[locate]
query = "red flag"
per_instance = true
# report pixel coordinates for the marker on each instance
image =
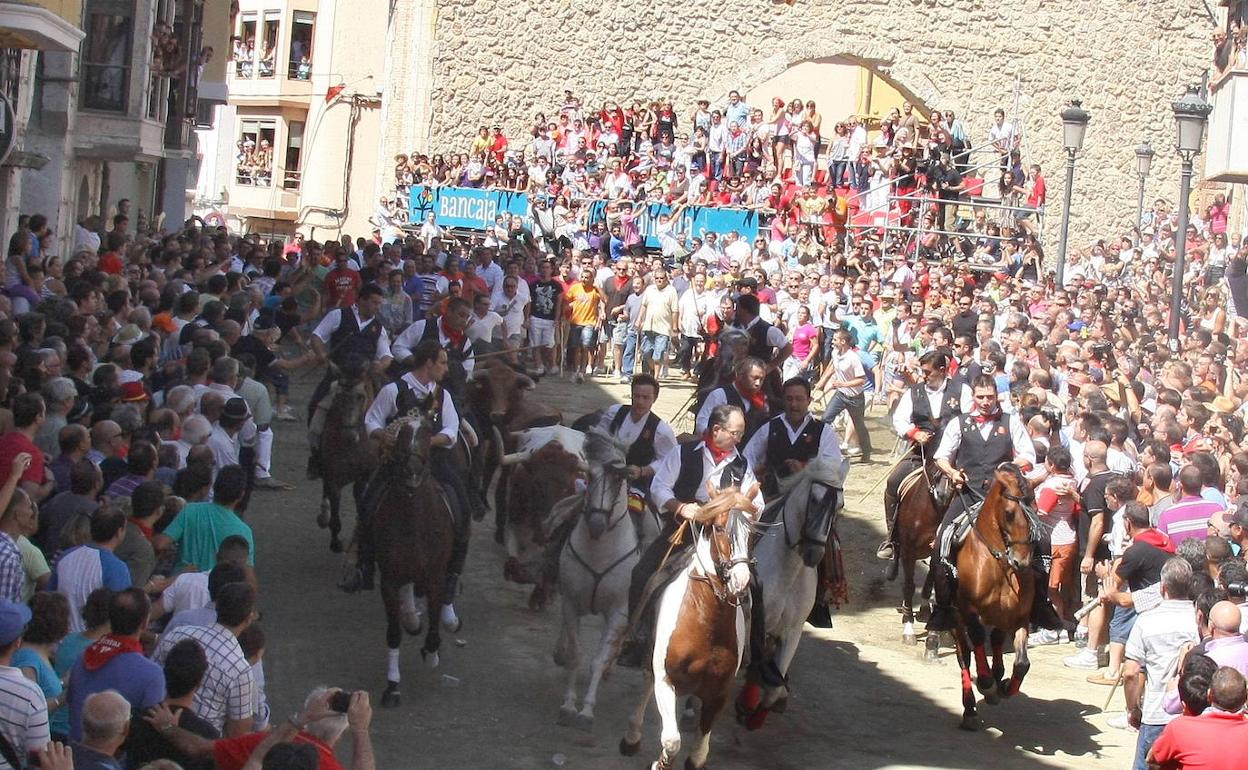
(332, 93)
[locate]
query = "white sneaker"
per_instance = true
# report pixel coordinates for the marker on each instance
(1119, 722)
(1085, 659)
(1043, 638)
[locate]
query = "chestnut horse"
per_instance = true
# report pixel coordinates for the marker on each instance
(996, 588)
(699, 636)
(920, 507)
(414, 533)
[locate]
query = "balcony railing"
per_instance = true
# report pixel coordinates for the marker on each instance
(251, 176)
(291, 179)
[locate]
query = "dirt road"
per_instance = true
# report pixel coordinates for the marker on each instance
(860, 698)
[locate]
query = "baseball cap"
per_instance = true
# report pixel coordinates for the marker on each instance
(13, 620)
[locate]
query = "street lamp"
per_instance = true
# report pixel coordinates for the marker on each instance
(1191, 112)
(1074, 128)
(1143, 162)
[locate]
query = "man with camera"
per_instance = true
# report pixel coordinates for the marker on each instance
(326, 715)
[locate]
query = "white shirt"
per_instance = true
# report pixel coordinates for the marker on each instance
(333, 319)
(512, 311)
(716, 398)
(664, 436)
(935, 400)
(691, 312)
(849, 367)
(667, 469)
(410, 338)
(492, 274)
(829, 442)
(481, 328)
(224, 448)
(951, 439)
(385, 406)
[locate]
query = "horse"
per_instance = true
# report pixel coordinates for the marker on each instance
(414, 533)
(699, 630)
(595, 567)
(347, 455)
(996, 587)
(920, 507)
(788, 554)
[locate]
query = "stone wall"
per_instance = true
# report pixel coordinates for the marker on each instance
(500, 61)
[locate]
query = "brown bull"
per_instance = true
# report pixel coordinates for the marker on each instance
(533, 487)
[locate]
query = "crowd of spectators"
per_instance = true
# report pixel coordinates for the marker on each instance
(138, 395)
(254, 162)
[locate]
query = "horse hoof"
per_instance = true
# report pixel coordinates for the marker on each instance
(391, 697)
(970, 723)
(567, 716)
(909, 640)
(986, 687)
(629, 748)
(756, 720)
(780, 706)
(413, 623)
(430, 658)
(931, 655)
(322, 518)
(583, 723)
(335, 545)
(560, 657)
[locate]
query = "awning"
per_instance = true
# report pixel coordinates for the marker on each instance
(28, 26)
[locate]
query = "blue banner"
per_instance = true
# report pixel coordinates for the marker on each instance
(472, 209)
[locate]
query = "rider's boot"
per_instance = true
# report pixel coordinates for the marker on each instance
(636, 648)
(887, 549)
(820, 615)
(942, 618)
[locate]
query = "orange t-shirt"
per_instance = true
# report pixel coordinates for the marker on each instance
(583, 304)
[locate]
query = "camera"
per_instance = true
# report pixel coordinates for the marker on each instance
(341, 701)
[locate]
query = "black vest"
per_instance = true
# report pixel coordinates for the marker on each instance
(921, 409)
(979, 457)
(407, 402)
(349, 340)
(779, 450)
(758, 341)
(689, 479)
(755, 418)
(456, 375)
(641, 452)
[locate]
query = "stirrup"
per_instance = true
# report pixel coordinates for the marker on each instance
(887, 551)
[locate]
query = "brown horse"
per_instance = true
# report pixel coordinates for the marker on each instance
(996, 588)
(921, 504)
(414, 533)
(699, 631)
(346, 454)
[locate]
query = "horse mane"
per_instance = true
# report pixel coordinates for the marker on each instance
(1016, 473)
(723, 502)
(602, 449)
(821, 469)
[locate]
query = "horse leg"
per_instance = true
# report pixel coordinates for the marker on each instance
(433, 636)
(978, 636)
(630, 744)
(333, 496)
(665, 703)
(612, 628)
(963, 647)
(394, 636)
(710, 710)
(322, 516)
(570, 645)
(998, 654)
(907, 600)
(1022, 664)
(413, 622)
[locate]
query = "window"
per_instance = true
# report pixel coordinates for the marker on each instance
(268, 38)
(254, 153)
(294, 151)
(245, 47)
(106, 56)
(301, 45)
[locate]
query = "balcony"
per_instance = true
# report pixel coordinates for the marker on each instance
(1227, 157)
(262, 195)
(272, 61)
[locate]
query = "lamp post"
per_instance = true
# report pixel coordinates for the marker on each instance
(1191, 112)
(1074, 128)
(1143, 162)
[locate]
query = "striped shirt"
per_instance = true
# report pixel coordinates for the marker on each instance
(1187, 518)
(12, 575)
(1155, 641)
(228, 690)
(23, 713)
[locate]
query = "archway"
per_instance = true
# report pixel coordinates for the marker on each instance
(839, 85)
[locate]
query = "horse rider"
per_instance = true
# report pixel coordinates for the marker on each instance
(782, 447)
(768, 343)
(418, 392)
(744, 392)
(449, 331)
(678, 488)
(924, 408)
(345, 337)
(970, 449)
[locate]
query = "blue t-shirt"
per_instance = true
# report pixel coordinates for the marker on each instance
(49, 682)
(140, 681)
(68, 652)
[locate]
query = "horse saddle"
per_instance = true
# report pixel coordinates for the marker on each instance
(955, 535)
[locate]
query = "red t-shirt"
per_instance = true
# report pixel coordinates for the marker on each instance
(110, 262)
(14, 443)
(342, 284)
(1215, 740)
(232, 753)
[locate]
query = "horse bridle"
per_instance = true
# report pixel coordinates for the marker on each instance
(621, 485)
(1005, 555)
(719, 580)
(805, 538)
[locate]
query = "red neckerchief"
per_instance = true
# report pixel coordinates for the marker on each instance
(985, 418)
(456, 337)
(108, 647)
(1155, 538)
(147, 531)
(757, 401)
(717, 455)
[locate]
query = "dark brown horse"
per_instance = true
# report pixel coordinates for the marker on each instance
(346, 454)
(414, 533)
(996, 588)
(921, 504)
(699, 630)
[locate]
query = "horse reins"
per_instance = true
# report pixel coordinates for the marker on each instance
(595, 575)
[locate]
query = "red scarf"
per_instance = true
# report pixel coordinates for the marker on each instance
(1155, 538)
(717, 455)
(456, 337)
(757, 401)
(108, 647)
(983, 418)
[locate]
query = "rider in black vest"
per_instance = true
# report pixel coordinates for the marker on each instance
(679, 486)
(919, 424)
(767, 343)
(449, 332)
(349, 338)
(745, 393)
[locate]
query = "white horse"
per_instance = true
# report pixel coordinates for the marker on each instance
(595, 567)
(787, 556)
